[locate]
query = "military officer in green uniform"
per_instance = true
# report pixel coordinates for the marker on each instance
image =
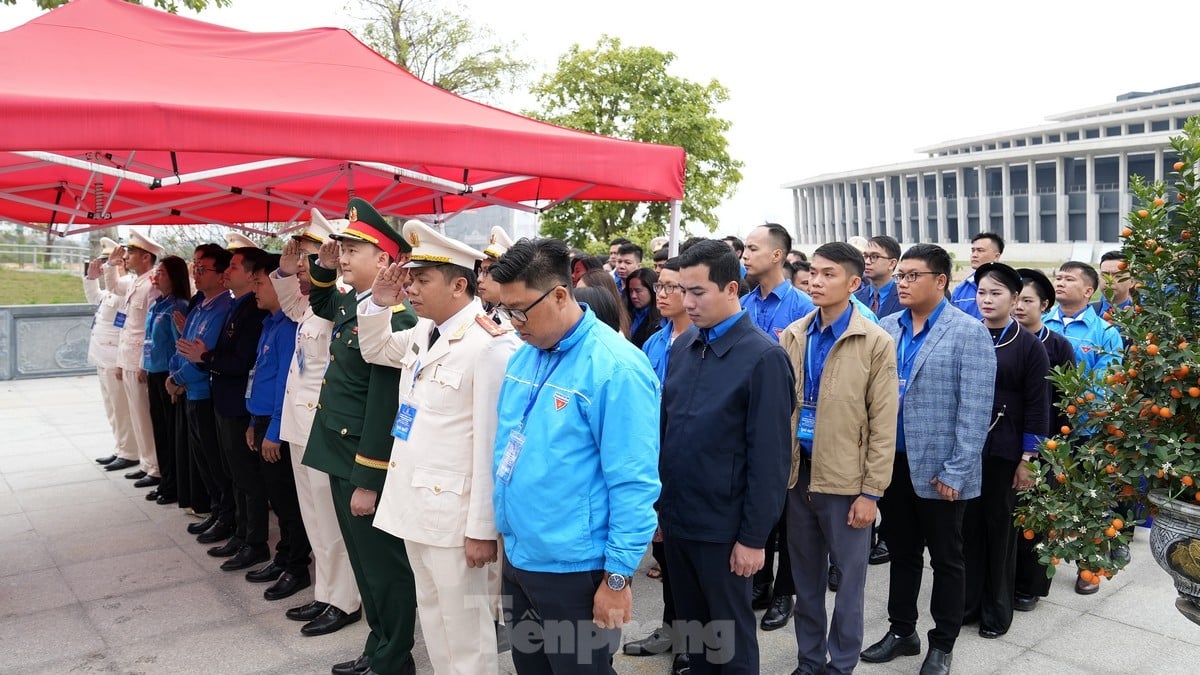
(351, 436)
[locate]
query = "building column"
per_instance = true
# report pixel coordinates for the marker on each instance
(961, 200)
(1093, 202)
(1033, 204)
(905, 210)
(889, 210)
(1009, 224)
(862, 209)
(985, 200)
(815, 230)
(839, 208)
(876, 216)
(1062, 229)
(797, 217)
(830, 213)
(1125, 199)
(922, 210)
(943, 219)
(1158, 165)
(848, 223)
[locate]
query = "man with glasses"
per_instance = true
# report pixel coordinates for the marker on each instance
(879, 293)
(947, 371)
(576, 476)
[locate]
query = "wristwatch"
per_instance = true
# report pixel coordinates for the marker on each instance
(617, 582)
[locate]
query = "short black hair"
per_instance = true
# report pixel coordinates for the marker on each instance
(251, 257)
(738, 244)
(619, 241)
(219, 256)
(843, 254)
(802, 265)
(690, 242)
(450, 272)
(539, 263)
(723, 268)
(631, 249)
(661, 254)
(934, 256)
(266, 263)
(798, 252)
(1084, 269)
(672, 264)
(779, 236)
(889, 245)
(1115, 254)
(996, 239)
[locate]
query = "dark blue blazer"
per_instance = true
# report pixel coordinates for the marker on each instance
(890, 306)
(229, 363)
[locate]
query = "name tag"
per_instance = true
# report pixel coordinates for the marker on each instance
(249, 382)
(147, 347)
(119, 320)
(807, 424)
(516, 440)
(903, 388)
(404, 422)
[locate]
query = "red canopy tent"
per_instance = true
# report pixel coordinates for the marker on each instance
(116, 114)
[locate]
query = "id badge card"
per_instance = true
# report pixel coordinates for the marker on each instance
(903, 388)
(404, 422)
(249, 383)
(516, 440)
(808, 423)
(147, 347)
(119, 320)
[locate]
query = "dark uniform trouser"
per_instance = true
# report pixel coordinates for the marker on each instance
(990, 547)
(777, 542)
(714, 620)
(249, 493)
(202, 442)
(292, 551)
(385, 582)
(162, 421)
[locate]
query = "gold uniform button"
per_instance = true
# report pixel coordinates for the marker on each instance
(344, 431)
(393, 465)
(322, 380)
(437, 489)
(309, 405)
(318, 406)
(332, 357)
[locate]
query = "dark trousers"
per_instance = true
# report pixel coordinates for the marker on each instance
(206, 453)
(550, 623)
(777, 541)
(818, 532)
(914, 524)
(990, 547)
(385, 582)
(162, 421)
(714, 621)
(190, 488)
(1030, 578)
(249, 492)
(293, 550)
(659, 551)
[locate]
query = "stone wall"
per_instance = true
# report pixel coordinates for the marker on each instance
(44, 340)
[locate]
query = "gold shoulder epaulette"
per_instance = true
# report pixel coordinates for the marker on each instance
(396, 309)
(490, 326)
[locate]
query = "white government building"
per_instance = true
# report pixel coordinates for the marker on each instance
(1054, 192)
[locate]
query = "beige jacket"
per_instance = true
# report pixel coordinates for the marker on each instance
(854, 442)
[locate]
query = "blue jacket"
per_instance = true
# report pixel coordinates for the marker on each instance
(727, 436)
(581, 493)
(782, 307)
(947, 403)
(204, 322)
(159, 346)
(268, 380)
(891, 299)
(658, 348)
(1096, 342)
(964, 297)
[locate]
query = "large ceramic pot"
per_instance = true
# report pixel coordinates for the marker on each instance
(1175, 543)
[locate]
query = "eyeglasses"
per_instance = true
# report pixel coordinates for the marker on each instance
(910, 277)
(667, 288)
(872, 257)
(484, 271)
(522, 315)
(201, 269)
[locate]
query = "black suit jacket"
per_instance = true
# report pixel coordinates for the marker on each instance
(230, 361)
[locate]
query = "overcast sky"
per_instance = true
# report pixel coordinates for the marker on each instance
(817, 87)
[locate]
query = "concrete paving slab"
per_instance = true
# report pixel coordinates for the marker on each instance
(58, 496)
(31, 461)
(33, 592)
(41, 637)
(56, 476)
(76, 517)
(180, 608)
(111, 577)
(228, 647)
(24, 553)
(14, 525)
(103, 543)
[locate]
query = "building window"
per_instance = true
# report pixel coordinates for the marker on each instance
(1160, 125)
(1020, 142)
(1112, 131)
(1179, 122)
(1136, 128)
(1072, 135)
(1054, 138)
(1036, 140)
(1091, 133)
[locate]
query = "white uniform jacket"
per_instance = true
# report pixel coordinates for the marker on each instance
(102, 347)
(135, 305)
(300, 398)
(438, 489)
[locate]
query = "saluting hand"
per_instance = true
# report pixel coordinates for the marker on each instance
(388, 289)
(328, 256)
(93, 270)
(289, 260)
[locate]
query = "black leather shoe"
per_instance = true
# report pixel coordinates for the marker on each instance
(247, 556)
(658, 642)
(331, 621)
(200, 527)
(306, 612)
(1025, 603)
(120, 464)
(937, 662)
(681, 665)
(835, 578)
(989, 634)
(147, 481)
(891, 646)
(106, 460)
(229, 548)
(778, 614)
(762, 596)
(358, 666)
(288, 585)
(135, 475)
(880, 554)
(165, 499)
(270, 572)
(218, 532)
(152, 495)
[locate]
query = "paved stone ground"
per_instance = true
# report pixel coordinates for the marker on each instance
(93, 578)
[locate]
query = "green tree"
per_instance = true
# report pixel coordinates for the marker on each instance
(627, 92)
(169, 5)
(440, 45)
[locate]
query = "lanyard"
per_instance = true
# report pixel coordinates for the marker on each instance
(758, 303)
(533, 396)
(917, 341)
(812, 373)
(999, 342)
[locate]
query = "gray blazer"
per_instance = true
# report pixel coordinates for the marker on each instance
(948, 402)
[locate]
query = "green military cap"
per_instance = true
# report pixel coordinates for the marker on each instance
(367, 225)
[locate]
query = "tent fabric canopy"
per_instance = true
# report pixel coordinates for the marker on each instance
(116, 114)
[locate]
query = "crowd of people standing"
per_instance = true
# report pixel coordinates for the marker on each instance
(488, 442)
